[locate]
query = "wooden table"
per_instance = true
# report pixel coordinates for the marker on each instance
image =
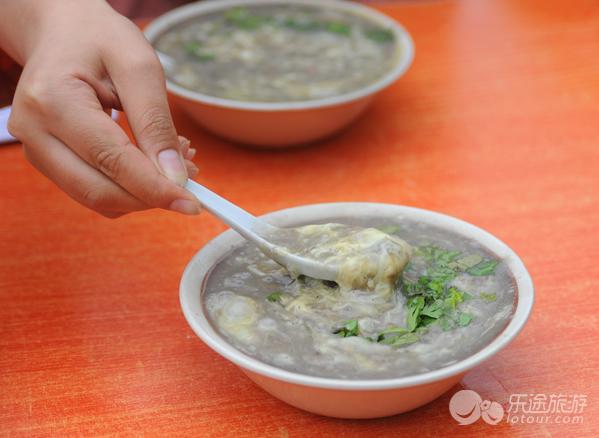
(497, 123)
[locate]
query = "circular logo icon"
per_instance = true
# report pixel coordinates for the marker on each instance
(491, 412)
(466, 407)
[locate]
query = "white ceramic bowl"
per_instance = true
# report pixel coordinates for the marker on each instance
(280, 123)
(350, 398)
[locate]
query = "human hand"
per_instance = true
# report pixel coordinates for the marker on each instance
(80, 60)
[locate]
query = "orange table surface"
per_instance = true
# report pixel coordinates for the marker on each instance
(497, 123)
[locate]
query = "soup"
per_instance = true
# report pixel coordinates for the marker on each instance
(452, 298)
(363, 258)
(278, 53)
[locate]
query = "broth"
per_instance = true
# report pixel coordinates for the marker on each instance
(278, 53)
(452, 299)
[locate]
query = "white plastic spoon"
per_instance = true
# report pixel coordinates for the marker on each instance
(262, 234)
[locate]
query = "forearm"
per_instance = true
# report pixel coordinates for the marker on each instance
(22, 22)
(18, 22)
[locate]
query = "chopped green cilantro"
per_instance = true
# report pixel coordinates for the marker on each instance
(464, 319)
(443, 265)
(400, 339)
(394, 331)
(433, 310)
(425, 321)
(274, 297)
(338, 27)
(431, 298)
(439, 262)
(380, 35)
(466, 262)
(436, 255)
(301, 25)
(446, 323)
(486, 267)
(194, 48)
(466, 296)
(244, 19)
(415, 306)
(389, 229)
(489, 298)
(350, 328)
(191, 47)
(424, 286)
(397, 336)
(453, 298)
(205, 56)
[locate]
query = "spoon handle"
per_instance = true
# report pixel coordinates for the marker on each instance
(237, 218)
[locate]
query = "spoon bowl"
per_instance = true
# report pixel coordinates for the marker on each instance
(263, 235)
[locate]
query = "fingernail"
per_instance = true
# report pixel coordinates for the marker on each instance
(184, 141)
(193, 170)
(185, 206)
(172, 166)
(191, 153)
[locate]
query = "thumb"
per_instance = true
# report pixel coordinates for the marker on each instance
(157, 138)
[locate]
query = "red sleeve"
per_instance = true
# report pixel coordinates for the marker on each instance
(9, 76)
